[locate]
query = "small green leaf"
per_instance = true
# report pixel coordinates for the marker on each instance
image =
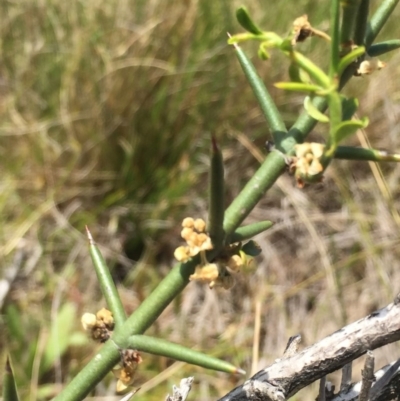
(243, 17)
(10, 392)
(383, 47)
(241, 37)
(348, 128)
(313, 111)
(349, 107)
(350, 58)
(316, 73)
(251, 248)
(262, 52)
(296, 74)
(298, 86)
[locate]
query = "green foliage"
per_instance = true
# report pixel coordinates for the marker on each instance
(350, 58)
(10, 392)
(216, 197)
(242, 15)
(313, 111)
(322, 84)
(348, 128)
(132, 116)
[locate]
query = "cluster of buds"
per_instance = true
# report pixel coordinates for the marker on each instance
(306, 164)
(125, 371)
(100, 325)
(220, 272)
(194, 233)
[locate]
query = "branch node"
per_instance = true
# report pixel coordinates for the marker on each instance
(292, 346)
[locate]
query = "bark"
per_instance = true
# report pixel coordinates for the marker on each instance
(287, 376)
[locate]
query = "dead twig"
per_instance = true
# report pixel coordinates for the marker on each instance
(368, 376)
(346, 377)
(180, 393)
(287, 376)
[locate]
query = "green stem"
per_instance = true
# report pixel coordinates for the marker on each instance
(137, 323)
(352, 153)
(92, 373)
(254, 190)
(151, 308)
(378, 20)
(350, 8)
(335, 38)
(216, 197)
(246, 232)
(178, 352)
(361, 23)
(312, 69)
(335, 114)
(383, 47)
(106, 282)
(265, 100)
(10, 392)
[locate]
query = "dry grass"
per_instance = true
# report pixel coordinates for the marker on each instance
(105, 114)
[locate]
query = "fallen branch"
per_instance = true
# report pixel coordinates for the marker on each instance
(287, 376)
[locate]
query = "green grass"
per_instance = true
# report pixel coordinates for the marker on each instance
(106, 111)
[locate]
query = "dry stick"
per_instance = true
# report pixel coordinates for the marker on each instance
(321, 395)
(180, 393)
(383, 381)
(391, 388)
(346, 377)
(367, 376)
(286, 377)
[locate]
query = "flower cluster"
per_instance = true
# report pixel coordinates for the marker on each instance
(219, 272)
(125, 371)
(193, 232)
(307, 161)
(100, 325)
